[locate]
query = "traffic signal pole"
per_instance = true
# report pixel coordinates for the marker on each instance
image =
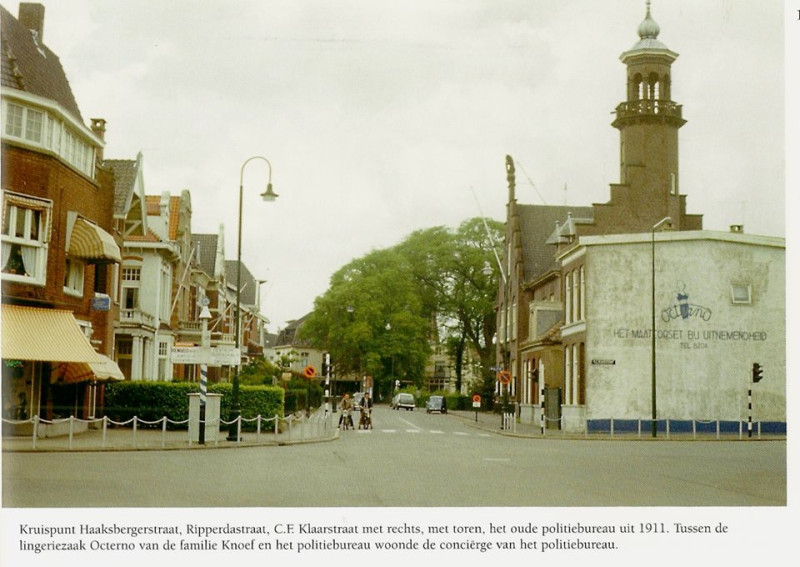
(756, 376)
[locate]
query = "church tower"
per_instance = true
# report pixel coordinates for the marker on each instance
(648, 123)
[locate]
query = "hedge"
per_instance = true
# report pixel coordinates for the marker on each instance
(151, 401)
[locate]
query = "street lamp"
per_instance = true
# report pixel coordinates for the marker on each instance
(666, 221)
(268, 195)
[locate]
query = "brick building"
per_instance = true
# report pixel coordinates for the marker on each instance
(60, 255)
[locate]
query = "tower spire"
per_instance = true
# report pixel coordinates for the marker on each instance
(649, 29)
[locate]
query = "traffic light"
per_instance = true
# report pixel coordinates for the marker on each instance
(758, 372)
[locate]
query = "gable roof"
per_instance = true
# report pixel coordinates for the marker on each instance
(536, 225)
(288, 335)
(124, 182)
(206, 251)
(249, 284)
(28, 65)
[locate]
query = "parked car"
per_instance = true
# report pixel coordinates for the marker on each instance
(403, 400)
(436, 403)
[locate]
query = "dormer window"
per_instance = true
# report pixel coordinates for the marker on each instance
(48, 131)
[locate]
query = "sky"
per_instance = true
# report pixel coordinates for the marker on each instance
(382, 117)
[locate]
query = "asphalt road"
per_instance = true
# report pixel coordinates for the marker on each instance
(409, 459)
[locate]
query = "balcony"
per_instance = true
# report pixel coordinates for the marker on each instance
(136, 317)
(647, 110)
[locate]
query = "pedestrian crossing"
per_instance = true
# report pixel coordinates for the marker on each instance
(419, 431)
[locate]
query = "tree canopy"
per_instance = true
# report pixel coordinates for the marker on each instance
(382, 313)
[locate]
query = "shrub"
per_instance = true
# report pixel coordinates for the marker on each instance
(150, 401)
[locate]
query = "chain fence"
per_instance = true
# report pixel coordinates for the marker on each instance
(103, 433)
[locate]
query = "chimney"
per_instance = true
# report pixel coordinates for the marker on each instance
(99, 129)
(32, 17)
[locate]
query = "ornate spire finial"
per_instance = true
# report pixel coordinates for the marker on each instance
(648, 28)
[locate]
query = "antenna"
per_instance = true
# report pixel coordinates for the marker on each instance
(489, 234)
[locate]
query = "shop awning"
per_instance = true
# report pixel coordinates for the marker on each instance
(32, 333)
(72, 372)
(90, 242)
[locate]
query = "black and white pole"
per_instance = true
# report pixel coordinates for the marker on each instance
(203, 397)
(750, 411)
(205, 350)
(756, 376)
(327, 356)
(541, 398)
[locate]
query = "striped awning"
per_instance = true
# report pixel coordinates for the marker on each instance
(72, 372)
(90, 242)
(32, 333)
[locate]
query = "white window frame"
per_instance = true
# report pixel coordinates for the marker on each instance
(48, 129)
(131, 280)
(74, 277)
(32, 243)
(736, 299)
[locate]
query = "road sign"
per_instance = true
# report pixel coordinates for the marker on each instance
(217, 356)
(504, 377)
(309, 372)
(224, 356)
(185, 355)
(476, 401)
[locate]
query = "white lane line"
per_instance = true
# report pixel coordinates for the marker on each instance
(484, 434)
(413, 431)
(464, 433)
(364, 430)
(437, 432)
(389, 430)
(411, 424)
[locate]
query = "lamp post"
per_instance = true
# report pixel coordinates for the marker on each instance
(268, 195)
(666, 221)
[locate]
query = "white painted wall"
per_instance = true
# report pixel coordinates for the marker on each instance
(704, 360)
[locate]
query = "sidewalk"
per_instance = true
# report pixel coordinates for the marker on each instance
(144, 439)
(493, 422)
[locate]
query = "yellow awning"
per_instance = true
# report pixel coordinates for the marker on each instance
(32, 333)
(90, 242)
(71, 372)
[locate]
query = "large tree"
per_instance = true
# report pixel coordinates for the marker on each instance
(383, 311)
(452, 266)
(372, 322)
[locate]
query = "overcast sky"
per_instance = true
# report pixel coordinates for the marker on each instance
(380, 118)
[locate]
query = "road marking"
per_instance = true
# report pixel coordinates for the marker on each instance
(484, 435)
(389, 430)
(364, 430)
(413, 431)
(436, 432)
(411, 424)
(460, 433)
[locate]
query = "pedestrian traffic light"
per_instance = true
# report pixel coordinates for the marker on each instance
(757, 372)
